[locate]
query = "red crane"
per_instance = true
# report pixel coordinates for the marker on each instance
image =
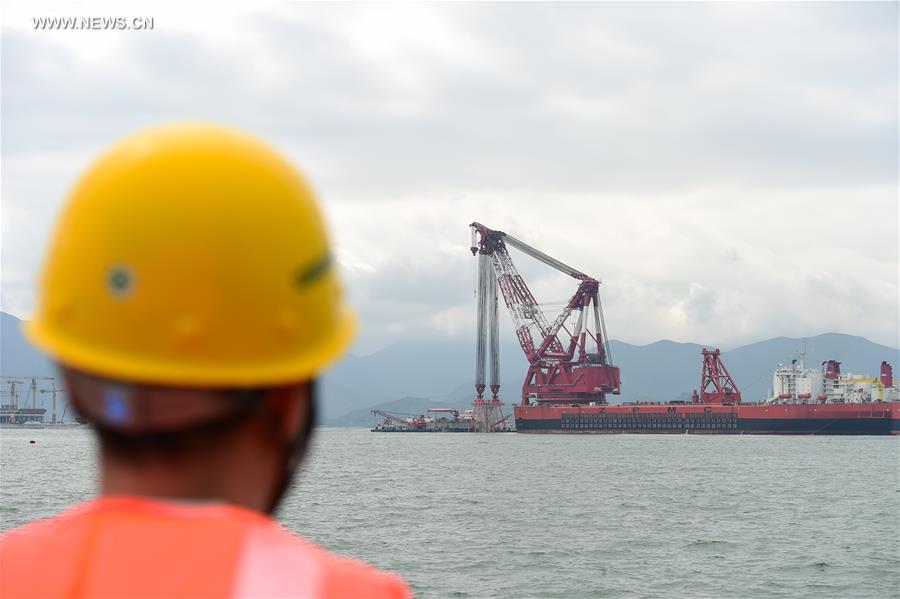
(716, 384)
(565, 366)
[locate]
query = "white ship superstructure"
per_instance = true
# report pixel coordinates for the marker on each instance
(798, 384)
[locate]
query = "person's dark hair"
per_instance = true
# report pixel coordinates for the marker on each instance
(204, 436)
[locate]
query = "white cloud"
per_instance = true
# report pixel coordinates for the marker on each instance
(730, 171)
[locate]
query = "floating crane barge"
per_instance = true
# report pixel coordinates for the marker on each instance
(571, 372)
(454, 422)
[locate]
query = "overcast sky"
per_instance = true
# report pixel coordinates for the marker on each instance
(730, 171)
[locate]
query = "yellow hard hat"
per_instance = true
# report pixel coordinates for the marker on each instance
(192, 255)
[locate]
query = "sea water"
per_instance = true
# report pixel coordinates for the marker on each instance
(569, 516)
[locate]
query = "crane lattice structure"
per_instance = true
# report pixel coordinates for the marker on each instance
(565, 366)
(716, 384)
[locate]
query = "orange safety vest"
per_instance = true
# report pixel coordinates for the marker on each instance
(137, 547)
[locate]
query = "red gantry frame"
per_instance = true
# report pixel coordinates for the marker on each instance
(716, 384)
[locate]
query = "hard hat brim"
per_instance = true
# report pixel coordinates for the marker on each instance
(173, 373)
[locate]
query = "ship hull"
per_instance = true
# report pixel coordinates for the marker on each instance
(881, 418)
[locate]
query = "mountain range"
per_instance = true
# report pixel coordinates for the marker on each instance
(411, 376)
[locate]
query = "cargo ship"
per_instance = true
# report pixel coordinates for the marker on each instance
(881, 418)
(804, 401)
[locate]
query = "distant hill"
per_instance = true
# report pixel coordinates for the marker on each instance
(440, 373)
(439, 370)
(660, 371)
(17, 356)
(666, 370)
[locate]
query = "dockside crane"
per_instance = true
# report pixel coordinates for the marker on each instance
(565, 366)
(13, 392)
(34, 390)
(53, 391)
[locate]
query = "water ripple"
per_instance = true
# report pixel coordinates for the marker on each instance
(574, 517)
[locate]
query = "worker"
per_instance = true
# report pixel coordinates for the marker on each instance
(190, 299)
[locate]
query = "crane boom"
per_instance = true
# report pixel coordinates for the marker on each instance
(539, 255)
(413, 421)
